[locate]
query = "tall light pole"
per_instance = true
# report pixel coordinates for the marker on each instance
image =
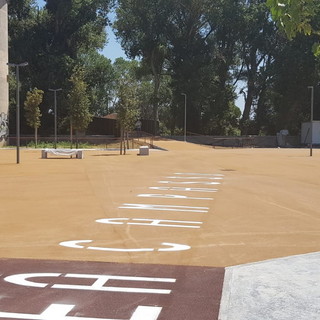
(311, 117)
(55, 115)
(17, 65)
(185, 116)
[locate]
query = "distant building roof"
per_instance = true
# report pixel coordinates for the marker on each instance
(111, 116)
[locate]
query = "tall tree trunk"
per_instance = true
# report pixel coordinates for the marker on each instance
(156, 67)
(124, 142)
(121, 139)
(120, 144)
(247, 106)
(252, 66)
(71, 134)
(36, 136)
(261, 111)
(156, 80)
(77, 139)
(127, 138)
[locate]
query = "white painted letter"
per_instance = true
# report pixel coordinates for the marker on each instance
(98, 285)
(184, 189)
(160, 207)
(60, 311)
(74, 244)
(170, 196)
(213, 178)
(21, 279)
(189, 182)
(157, 223)
(200, 174)
(111, 220)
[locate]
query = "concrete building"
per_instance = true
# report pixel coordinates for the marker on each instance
(4, 89)
(307, 131)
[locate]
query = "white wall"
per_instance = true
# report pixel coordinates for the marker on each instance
(4, 91)
(306, 132)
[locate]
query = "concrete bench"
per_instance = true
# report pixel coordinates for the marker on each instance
(62, 152)
(144, 151)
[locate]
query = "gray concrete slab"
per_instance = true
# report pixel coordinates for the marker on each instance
(279, 289)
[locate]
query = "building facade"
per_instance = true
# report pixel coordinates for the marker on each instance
(4, 89)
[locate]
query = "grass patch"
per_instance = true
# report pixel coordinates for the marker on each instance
(81, 145)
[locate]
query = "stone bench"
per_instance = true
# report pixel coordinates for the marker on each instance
(144, 151)
(62, 152)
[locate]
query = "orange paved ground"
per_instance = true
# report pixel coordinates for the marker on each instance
(267, 205)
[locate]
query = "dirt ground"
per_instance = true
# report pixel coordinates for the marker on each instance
(267, 205)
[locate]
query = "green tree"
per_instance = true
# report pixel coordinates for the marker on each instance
(77, 26)
(122, 69)
(79, 103)
(32, 110)
(54, 39)
(203, 36)
(294, 68)
(140, 26)
(100, 77)
(296, 16)
(135, 71)
(189, 33)
(255, 51)
(127, 108)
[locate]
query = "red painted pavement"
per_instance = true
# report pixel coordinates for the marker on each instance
(190, 293)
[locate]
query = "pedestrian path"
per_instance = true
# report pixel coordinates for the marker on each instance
(279, 289)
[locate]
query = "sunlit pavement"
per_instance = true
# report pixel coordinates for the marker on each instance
(89, 238)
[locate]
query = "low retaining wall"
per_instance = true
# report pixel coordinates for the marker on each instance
(242, 142)
(218, 141)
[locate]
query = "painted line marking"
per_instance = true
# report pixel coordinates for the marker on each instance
(200, 174)
(160, 207)
(75, 244)
(190, 182)
(151, 222)
(184, 189)
(209, 178)
(169, 196)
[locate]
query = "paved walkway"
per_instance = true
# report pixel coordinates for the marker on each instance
(286, 288)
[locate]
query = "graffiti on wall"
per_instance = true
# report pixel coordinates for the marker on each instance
(4, 126)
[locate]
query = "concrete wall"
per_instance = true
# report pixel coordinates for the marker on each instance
(247, 142)
(306, 132)
(4, 90)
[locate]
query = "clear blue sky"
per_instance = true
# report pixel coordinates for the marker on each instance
(113, 49)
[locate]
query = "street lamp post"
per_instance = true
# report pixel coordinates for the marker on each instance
(17, 65)
(185, 116)
(311, 117)
(55, 115)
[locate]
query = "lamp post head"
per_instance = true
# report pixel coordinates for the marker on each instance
(55, 89)
(23, 64)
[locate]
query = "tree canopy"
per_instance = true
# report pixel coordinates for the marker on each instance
(78, 101)
(214, 51)
(297, 16)
(32, 107)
